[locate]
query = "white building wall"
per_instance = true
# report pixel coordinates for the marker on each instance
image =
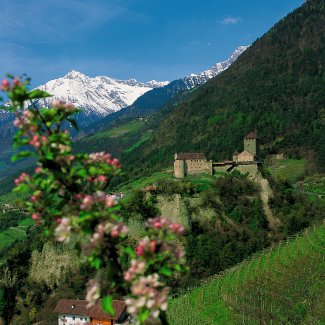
(66, 319)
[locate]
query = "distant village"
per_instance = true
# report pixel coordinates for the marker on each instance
(196, 163)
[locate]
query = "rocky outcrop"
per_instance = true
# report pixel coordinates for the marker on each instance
(53, 264)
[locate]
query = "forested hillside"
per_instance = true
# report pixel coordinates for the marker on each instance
(276, 87)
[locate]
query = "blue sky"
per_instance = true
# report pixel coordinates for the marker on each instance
(142, 39)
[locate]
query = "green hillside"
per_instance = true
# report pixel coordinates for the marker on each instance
(276, 87)
(289, 169)
(281, 285)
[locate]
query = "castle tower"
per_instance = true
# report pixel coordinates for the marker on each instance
(179, 168)
(251, 143)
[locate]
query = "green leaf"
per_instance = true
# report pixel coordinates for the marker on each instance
(85, 216)
(107, 305)
(165, 271)
(21, 154)
(129, 251)
(49, 155)
(37, 94)
(82, 173)
(6, 108)
(143, 316)
(95, 262)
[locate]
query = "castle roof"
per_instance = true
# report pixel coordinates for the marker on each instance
(251, 135)
(79, 307)
(191, 156)
(245, 152)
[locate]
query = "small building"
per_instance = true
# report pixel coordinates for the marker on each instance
(245, 156)
(151, 188)
(76, 312)
(190, 163)
(196, 163)
(250, 152)
(251, 143)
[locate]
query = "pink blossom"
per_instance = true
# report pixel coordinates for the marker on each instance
(115, 162)
(153, 245)
(22, 178)
(115, 233)
(140, 250)
(119, 229)
(28, 114)
(35, 217)
(166, 224)
(157, 224)
(98, 235)
(86, 202)
(180, 252)
(32, 128)
(148, 292)
(176, 228)
(143, 245)
(38, 170)
(137, 267)
(35, 141)
(17, 122)
(101, 179)
(93, 292)
(44, 139)
(57, 103)
(63, 230)
(110, 201)
(5, 84)
(69, 106)
(17, 82)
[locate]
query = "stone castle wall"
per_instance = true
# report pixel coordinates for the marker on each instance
(245, 156)
(251, 145)
(252, 169)
(179, 169)
(221, 169)
(192, 167)
(198, 167)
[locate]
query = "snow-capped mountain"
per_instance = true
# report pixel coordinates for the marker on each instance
(198, 79)
(156, 98)
(97, 96)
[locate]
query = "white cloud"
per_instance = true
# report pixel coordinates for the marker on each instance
(230, 20)
(53, 21)
(194, 43)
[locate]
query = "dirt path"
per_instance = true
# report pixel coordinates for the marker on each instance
(266, 193)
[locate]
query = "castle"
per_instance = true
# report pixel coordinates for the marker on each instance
(196, 163)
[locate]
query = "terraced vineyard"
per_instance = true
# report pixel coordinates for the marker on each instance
(281, 285)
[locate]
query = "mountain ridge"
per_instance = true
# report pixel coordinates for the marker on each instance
(157, 97)
(275, 87)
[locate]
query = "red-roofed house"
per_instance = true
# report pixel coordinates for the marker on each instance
(76, 312)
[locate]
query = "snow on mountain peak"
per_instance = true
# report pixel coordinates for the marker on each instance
(198, 79)
(100, 95)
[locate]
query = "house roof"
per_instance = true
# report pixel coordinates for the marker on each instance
(79, 307)
(191, 156)
(251, 135)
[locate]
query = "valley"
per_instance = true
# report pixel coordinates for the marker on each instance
(235, 155)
